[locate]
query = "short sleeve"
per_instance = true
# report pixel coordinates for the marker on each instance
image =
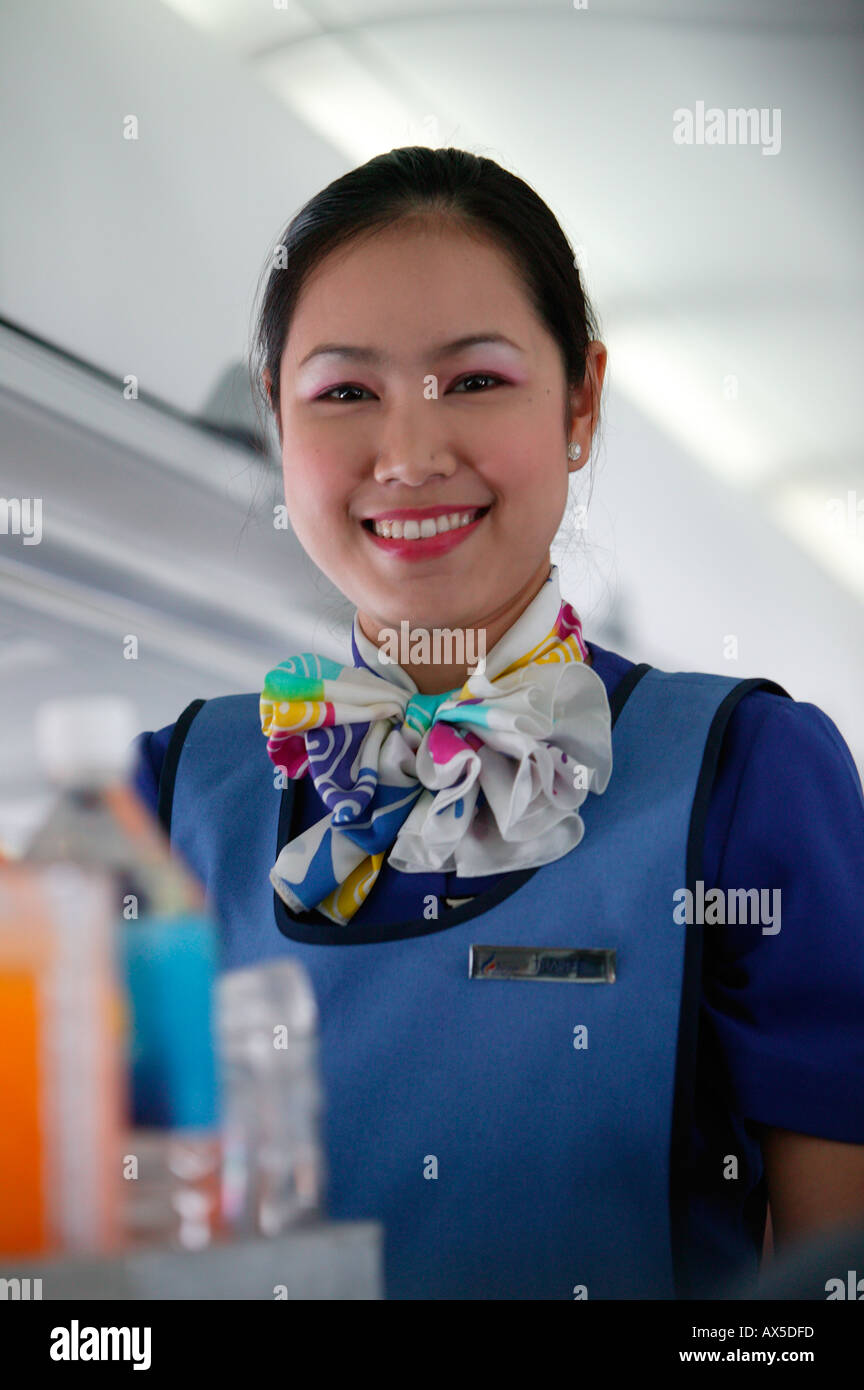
(148, 756)
(785, 999)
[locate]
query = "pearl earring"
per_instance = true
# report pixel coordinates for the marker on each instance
(574, 451)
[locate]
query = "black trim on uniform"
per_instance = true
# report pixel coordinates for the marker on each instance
(692, 988)
(625, 687)
(168, 775)
(317, 930)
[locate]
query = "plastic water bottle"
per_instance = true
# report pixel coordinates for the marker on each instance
(169, 1167)
(273, 1167)
(84, 746)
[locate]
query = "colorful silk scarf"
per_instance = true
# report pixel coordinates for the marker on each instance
(478, 780)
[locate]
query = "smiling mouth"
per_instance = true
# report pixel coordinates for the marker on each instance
(412, 529)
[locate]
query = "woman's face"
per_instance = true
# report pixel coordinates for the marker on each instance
(411, 423)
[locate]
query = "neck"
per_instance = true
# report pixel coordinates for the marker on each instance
(434, 678)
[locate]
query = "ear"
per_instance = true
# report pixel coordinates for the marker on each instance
(585, 401)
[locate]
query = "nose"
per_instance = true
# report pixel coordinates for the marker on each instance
(410, 454)
(414, 467)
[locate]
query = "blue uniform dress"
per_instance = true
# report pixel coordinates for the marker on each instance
(781, 1036)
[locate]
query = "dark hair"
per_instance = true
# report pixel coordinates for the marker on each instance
(457, 186)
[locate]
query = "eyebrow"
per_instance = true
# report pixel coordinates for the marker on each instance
(368, 354)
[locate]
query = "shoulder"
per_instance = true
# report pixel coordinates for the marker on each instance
(156, 750)
(148, 757)
(792, 732)
(765, 731)
(789, 785)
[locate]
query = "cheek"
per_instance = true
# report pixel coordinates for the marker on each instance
(531, 472)
(534, 445)
(312, 489)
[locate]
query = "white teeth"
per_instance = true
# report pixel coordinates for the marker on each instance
(412, 530)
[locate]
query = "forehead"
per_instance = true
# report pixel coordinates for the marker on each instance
(415, 283)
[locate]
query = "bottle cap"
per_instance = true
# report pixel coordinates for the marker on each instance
(277, 993)
(86, 740)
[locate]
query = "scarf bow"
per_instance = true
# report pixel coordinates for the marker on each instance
(481, 780)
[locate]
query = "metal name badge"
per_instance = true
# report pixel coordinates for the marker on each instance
(581, 966)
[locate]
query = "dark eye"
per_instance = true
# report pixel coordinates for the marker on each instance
(343, 386)
(476, 376)
(346, 386)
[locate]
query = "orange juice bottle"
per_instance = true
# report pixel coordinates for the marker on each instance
(62, 1060)
(63, 1015)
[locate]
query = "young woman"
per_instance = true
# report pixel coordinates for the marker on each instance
(544, 1075)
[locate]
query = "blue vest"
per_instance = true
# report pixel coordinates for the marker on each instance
(518, 1138)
